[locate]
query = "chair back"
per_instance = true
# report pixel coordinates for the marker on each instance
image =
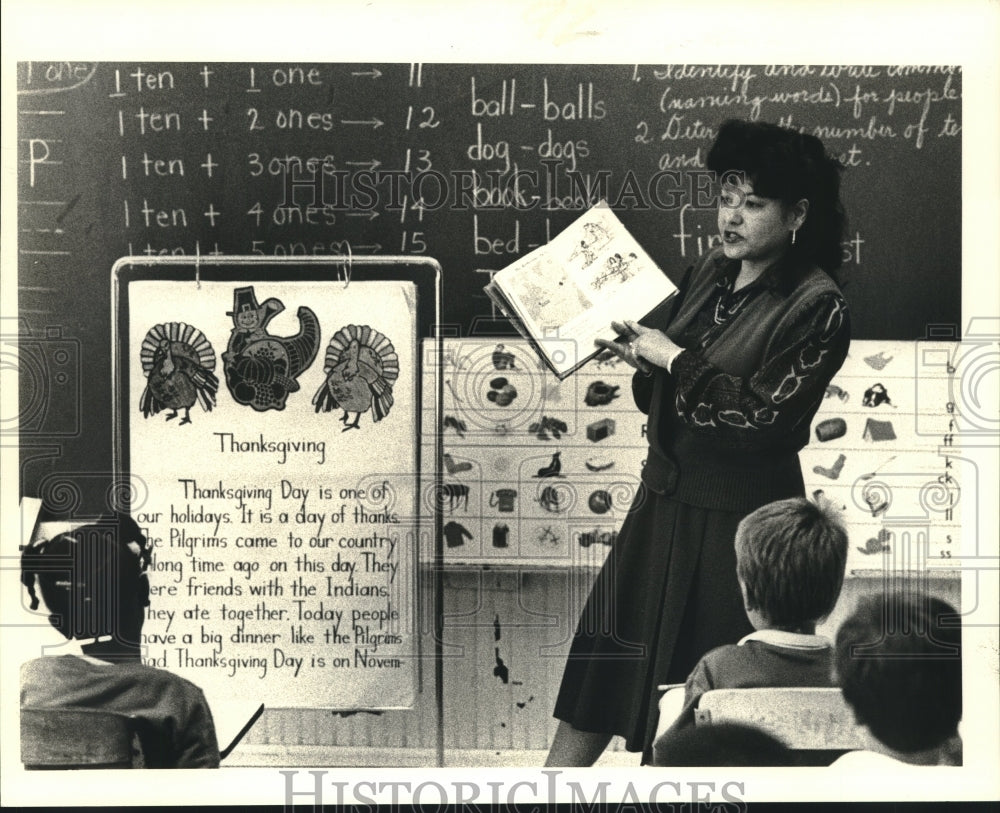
(802, 718)
(78, 738)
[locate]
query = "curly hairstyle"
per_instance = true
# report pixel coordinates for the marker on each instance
(91, 579)
(790, 166)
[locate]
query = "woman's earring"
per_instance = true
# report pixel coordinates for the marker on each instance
(793, 236)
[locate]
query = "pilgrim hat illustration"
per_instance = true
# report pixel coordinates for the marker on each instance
(262, 369)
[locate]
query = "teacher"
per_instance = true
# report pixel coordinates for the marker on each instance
(730, 381)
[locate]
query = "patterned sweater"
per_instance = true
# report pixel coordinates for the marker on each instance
(727, 423)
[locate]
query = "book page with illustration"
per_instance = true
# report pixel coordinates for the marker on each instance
(591, 273)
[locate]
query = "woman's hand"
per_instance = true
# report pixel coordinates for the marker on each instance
(643, 348)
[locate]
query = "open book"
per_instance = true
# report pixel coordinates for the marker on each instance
(564, 295)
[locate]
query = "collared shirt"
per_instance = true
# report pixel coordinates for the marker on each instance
(764, 658)
(787, 640)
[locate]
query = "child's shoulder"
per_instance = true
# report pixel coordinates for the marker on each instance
(724, 655)
(761, 659)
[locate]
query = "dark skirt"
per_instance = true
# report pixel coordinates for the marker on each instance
(666, 595)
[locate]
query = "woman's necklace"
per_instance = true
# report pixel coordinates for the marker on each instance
(729, 302)
(735, 295)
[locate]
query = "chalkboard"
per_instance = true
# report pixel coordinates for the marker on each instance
(470, 164)
(249, 396)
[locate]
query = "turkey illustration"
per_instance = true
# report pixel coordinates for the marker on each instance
(360, 366)
(261, 369)
(178, 362)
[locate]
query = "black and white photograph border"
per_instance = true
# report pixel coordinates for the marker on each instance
(542, 31)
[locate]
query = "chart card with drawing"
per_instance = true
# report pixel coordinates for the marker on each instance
(268, 419)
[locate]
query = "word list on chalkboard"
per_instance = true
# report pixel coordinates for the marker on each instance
(475, 165)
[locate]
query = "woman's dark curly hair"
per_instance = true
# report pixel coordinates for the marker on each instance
(788, 165)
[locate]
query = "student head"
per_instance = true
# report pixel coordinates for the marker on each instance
(794, 170)
(898, 662)
(720, 745)
(790, 558)
(92, 580)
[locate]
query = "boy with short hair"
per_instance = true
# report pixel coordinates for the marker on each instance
(790, 560)
(899, 665)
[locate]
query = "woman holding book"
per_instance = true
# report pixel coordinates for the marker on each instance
(730, 381)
